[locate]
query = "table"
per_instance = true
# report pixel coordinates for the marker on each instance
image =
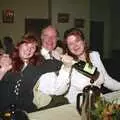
(67, 112)
(64, 112)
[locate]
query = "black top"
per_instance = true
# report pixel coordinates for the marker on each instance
(28, 78)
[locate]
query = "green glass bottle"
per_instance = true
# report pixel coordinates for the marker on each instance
(85, 68)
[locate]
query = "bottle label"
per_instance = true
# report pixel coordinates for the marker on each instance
(89, 68)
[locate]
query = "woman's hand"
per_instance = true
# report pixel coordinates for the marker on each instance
(5, 63)
(67, 60)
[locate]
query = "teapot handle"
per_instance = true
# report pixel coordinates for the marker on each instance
(78, 105)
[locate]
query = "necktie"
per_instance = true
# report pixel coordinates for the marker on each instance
(51, 57)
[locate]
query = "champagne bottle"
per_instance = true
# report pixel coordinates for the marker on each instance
(85, 68)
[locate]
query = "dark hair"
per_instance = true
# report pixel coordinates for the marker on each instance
(36, 59)
(8, 43)
(7, 40)
(76, 32)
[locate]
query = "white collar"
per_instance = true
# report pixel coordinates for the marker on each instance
(45, 53)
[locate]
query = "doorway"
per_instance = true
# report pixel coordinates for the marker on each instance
(35, 25)
(97, 36)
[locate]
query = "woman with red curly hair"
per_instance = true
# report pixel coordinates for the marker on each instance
(17, 83)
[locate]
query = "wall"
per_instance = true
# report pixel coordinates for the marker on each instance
(22, 9)
(86, 9)
(115, 23)
(76, 9)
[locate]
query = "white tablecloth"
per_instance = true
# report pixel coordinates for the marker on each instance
(67, 112)
(113, 97)
(64, 112)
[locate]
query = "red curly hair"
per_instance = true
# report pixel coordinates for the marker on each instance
(36, 59)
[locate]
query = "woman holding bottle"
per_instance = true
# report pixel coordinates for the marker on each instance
(77, 48)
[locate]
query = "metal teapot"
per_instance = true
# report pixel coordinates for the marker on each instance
(87, 100)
